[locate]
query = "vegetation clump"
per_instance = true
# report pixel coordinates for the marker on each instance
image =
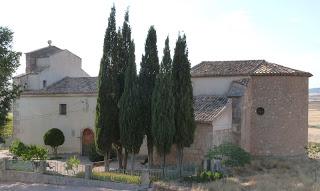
(54, 138)
(114, 177)
(231, 155)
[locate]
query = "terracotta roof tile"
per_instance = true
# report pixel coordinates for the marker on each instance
(243, 68)
(206, 108)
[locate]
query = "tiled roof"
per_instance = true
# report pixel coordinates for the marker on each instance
(243, 68)
(238, 87)
(45, 52)
(68, 85)
(206, 108)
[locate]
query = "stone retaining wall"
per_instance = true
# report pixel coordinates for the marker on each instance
(31, 177)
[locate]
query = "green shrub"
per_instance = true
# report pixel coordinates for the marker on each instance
(230, 154)
(72, 164)
(54, 138)
(34, 152)
(204, 176)
(17, 148)
(114, 177)
(94, 156)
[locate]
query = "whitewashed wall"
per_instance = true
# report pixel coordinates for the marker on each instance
(212, 85)
(35, 115)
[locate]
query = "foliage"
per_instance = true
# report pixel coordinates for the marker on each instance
(182, 90)
(107, 123)
(231, 155)
(9, 62)
(54, 138)
(94, 156)
(28, 152)
(72, 164)
(7, 130)
(34, 152)
(147, 77)
(114, 177)
(204, 176)
(17, 148)
(313, 150)
(163, 128)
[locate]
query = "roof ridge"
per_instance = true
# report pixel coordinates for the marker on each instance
(258, 65)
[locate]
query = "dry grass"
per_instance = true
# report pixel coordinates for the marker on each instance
(271, 175)
(314, 113)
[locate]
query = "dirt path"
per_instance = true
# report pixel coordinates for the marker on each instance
(314, 135)
(18, 186)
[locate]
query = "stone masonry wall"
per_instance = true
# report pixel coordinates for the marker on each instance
(204, 139)
(283, 128)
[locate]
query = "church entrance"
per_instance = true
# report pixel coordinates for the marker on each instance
(87, 141)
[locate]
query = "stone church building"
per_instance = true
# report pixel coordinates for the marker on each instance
(261, 106)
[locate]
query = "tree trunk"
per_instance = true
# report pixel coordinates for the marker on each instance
(150, 151)
(106, 162)
(55, 152)
(164, 165)
(125, 159)
(132, 162)
(180, 159)
(120, 157)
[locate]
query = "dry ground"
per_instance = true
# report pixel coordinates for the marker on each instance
(18, 186)
(314, 112)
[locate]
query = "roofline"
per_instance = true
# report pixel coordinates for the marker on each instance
(45, 94)
(305, 74)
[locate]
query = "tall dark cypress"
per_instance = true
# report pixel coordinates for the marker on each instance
(124, 41)
(184, 116)
(147, 77)
(163, 125)
(131, 130)
(107, 125)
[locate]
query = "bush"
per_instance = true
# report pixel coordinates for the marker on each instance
(31, 152)
(54, 138)
(72, 164)
(17, 148)
(114, 177)
(230, 154)
(94, 156)
(205, 176)
(34, 152)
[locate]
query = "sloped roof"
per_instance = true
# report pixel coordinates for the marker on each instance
(45, 52)
(206, 108)
(243, 68)
(68, 85)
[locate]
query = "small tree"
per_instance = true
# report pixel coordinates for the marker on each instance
(54, 138)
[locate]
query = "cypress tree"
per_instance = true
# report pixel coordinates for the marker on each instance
(124, 40)
(107, 125)
(131, 131)
(147, 77)
(163, 126)
(182, 89)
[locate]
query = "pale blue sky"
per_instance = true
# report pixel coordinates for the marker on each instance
(285, 32)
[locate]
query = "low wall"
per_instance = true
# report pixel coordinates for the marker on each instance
(31, 177)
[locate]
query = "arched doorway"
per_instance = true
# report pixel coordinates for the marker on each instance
(87, 141)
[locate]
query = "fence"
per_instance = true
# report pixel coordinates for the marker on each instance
(97, 172)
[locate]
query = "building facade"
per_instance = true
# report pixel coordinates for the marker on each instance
(261, 106)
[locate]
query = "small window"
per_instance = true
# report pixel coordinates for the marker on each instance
(25, 86)
(260, 110)
(63, 109)
(44, 83)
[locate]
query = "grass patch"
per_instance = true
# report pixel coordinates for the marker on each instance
(7, 130)
(114, 177)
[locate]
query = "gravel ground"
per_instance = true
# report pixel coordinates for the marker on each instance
(18, 186)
